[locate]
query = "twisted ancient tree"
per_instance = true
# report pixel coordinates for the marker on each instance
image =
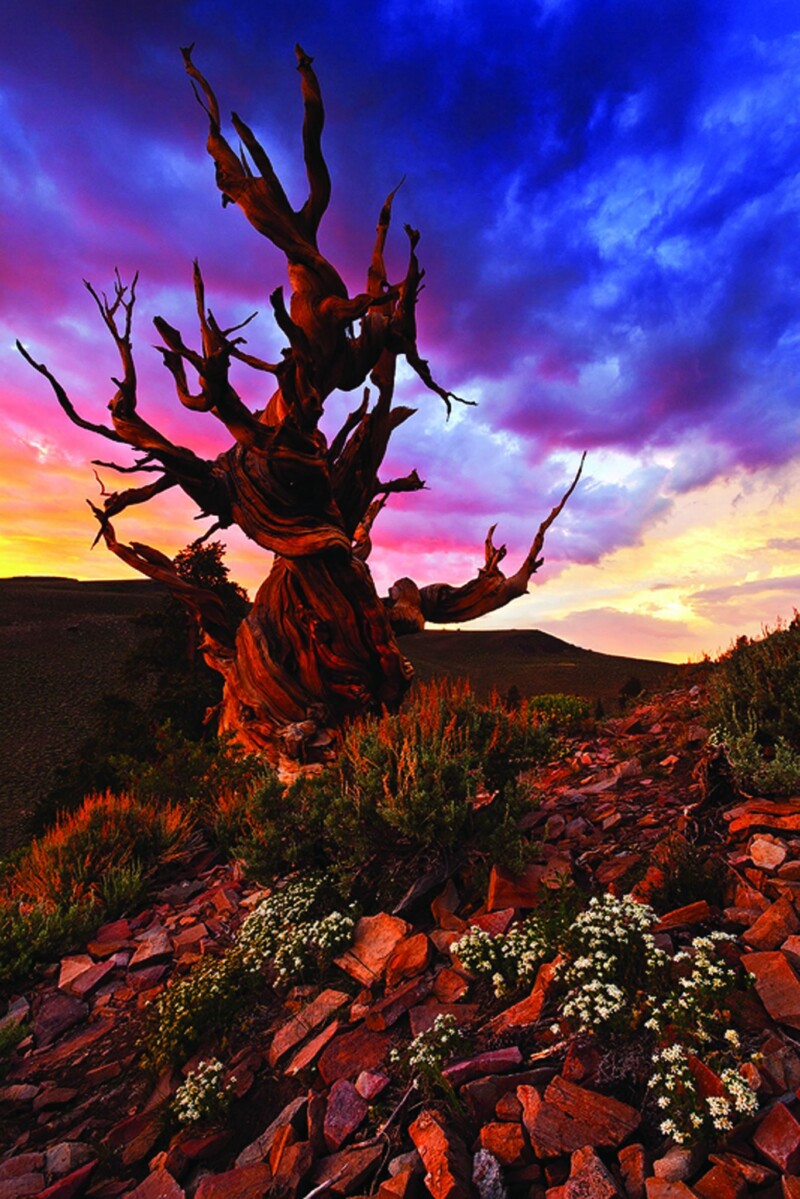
(318, 645)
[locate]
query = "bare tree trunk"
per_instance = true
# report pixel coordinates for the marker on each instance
(318, 646)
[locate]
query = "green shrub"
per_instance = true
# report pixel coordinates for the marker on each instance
(10, 1036)
(419, 781)
(754, 702)
(191, 773)
(691, 873)
(70, 861)
(32, 933)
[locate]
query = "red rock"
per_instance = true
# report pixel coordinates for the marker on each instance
(773, 926)
(387, 1011)
(297, 1029)
(444, 939)
(764, 814)
(18, 1094)
(777, 985)
(493, 1061)
(21, 1185)
(373, 943)
(370, 1083)
(71, 968)
(51, 1097)
(243, 1182)
(189, 1146)
(115, 930)
(752, 1172)
(400, 1186)
(444, 908)
(661, 1188)
(351, 1052)
(154, 947)
(720, 1182)
(88, 982)
(293, 1113)
(409, 957)
(589, 1178)
(633, 1168)
(528, 1010)
(692, 913)
(158, 1185)
(23, 1163)
(448, 1169)
(707, 1081)
(135, 1136)
(778, 1139)
(347, 1170)
(483, 1096)
(570, 1117)
(508, 1107)
(678, 1163)
(507, 1142)
(144, 978)
(290, 1163)
(791, 1187)
(345, 1111)
(312, 1049)
(582, 1061)
(791, 948)
(100, 1074)
(449, 985)
(514, 891)
(493, 923)
(766, 852)
(57, 1014)
(421, 1018)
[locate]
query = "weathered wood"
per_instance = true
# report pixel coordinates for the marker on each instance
(318, 645)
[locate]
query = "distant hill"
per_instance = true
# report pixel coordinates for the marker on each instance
(533, 662)
(64, 643)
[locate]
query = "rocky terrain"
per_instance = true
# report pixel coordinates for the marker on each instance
(318, 1106)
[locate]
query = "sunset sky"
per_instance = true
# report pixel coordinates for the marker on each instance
(608, 195)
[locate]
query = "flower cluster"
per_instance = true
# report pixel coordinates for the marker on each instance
(612, 964)
(510, 960)
(209, 998)
(205, 1095)
(687, 1115)
(423, 1059)
(284, 933)
(693, 1004)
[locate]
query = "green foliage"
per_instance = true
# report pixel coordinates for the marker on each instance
(754, 702)
(191, 773)
(420, 781)
(562, 713)
(10, 1036)
(691, 873)
(92, 865)
(32, 933)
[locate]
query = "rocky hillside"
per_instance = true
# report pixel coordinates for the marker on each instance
(348, 1085)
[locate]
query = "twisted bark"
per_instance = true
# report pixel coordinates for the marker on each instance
(318, 645)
